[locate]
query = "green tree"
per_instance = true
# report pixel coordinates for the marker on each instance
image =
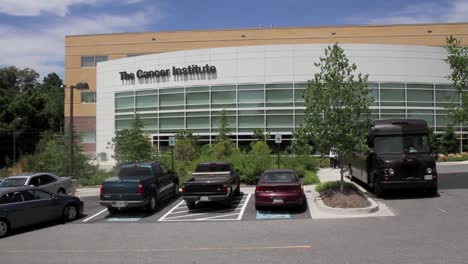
(52, 155)
(433, 141)
(185, 147)
(337, 105)
(260, 135)
(257, 160)
(458, 61)
(53, 94)
(132, 145)
(27, 108)
(301, 145)
(448, 141)
(223, 127)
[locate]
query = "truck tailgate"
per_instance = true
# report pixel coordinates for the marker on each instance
(120, 189)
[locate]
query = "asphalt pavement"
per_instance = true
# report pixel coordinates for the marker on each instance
(423, 230)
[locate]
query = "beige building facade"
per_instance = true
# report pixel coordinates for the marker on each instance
(84, 52)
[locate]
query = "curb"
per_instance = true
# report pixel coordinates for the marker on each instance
(374, 207)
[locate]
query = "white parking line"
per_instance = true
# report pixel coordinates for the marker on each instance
(218, 216)
(243, 207)
(91, 217)
(170, 211)
(180, 213)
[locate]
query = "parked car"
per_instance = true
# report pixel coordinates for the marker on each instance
(212, 181)
(279, 188)
(400, 157)
(22, 206)
(42, 180)
(140, 185)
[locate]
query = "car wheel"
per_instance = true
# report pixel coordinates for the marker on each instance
(153, 204)
(432, 192)
(237, 192)
(176, 190)
(303, 207)
(378, 191)
(228, 202)
(190, 205)
(61, 192)
(112, 210)
(70, 213)
(4, 227)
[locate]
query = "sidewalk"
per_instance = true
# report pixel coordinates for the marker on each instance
(329, 174)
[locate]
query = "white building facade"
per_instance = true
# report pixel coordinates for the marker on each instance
(260, 87)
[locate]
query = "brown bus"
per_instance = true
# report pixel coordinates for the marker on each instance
(399, 157)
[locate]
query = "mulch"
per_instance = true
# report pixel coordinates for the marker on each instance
(349, 198)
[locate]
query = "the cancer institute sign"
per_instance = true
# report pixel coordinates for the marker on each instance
(162, 73)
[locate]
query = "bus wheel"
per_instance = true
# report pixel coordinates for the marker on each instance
(378, 191)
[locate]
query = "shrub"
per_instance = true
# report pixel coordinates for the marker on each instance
(335, 185)
(255, 161)
(300, 163)
(310, 178)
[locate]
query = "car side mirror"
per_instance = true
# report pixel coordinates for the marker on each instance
(257, 178)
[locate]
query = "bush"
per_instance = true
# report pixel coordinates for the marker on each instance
(300, 163)
(310, 177)
(335, 185)
(255, 162)
(95, 178)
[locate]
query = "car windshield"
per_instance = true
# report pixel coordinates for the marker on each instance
(12, 182)
(134, 171)
(212, 167)
(401, 144)
(285, 177)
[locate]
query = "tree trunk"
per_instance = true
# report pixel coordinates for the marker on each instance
(342, 179)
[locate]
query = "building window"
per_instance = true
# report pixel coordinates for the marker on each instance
(88, 97)
(91, 61)
(88, 137)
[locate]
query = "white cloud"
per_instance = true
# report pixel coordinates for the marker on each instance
(41, 47)
(54, 7)
(429, 12)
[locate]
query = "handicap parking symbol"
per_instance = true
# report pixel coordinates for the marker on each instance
(273, 215)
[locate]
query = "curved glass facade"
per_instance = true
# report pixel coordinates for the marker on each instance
(273, 107)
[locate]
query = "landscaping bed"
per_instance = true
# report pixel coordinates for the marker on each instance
(351, 197)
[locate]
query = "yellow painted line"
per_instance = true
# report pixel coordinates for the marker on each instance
(154, 249)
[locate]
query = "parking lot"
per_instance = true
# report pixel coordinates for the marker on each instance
(175, 210)
(423, 230)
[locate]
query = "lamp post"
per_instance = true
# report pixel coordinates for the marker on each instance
(78, 86)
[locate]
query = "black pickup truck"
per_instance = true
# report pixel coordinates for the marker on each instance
(138, 185)
(212, 181)
(399, 157)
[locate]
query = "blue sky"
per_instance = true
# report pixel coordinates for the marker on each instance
(32, 31)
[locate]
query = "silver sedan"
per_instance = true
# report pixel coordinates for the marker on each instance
(43, 180)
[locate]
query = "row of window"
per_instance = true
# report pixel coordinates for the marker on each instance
(275, 95)
(91, 61)
(272, 121)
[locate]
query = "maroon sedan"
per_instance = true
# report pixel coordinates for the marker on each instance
(278, 188)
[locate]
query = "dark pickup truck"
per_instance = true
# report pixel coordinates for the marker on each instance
(399, 157)
(138, 185)
(212, 181)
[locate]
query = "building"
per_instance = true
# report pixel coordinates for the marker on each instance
(182, 80)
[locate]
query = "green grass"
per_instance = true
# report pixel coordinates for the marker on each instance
(330, 185)
(310, 177)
